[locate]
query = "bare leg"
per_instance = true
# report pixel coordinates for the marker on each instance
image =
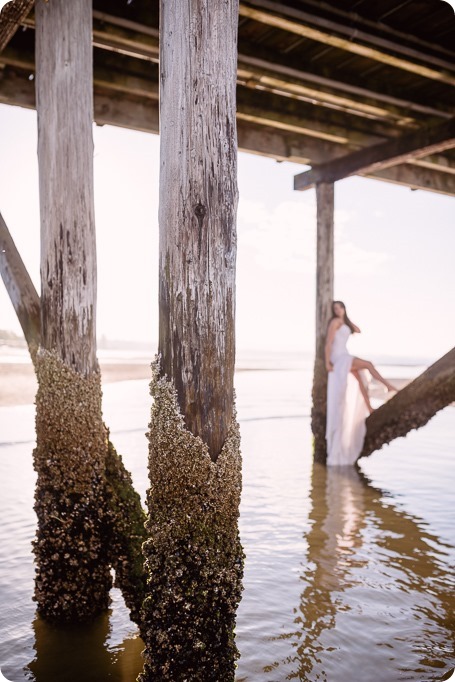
(363, 389)
(358, 363)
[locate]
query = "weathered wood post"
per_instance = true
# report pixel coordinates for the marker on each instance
(73, 577)
(324, 298)
(194, 557)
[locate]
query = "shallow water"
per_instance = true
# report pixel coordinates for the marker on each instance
(348, 573)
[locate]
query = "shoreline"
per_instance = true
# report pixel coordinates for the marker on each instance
(18, 383)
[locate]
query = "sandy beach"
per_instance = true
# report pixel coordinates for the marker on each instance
(18, 382)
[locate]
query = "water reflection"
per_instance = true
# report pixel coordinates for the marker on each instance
(75, 653)
(375, 596)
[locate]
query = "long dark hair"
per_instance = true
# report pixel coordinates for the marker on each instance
(346, 318)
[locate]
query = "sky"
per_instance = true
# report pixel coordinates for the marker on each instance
(394, 248)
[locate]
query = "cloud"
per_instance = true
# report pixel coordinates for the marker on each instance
(352, 259)
(280, 239)
(283, 239)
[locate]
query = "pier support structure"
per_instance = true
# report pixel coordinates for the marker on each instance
(194, 557)
(325, 192)
(73, 574)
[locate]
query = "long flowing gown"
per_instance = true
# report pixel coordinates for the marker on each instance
(346, 407)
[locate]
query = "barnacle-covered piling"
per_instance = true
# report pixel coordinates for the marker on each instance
(72, 576)
(194, 558)
(90, 517)
(83, 495)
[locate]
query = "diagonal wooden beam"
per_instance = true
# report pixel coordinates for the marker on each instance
(11, 16)
(329, 33)
(422, 142)
(20, 288)
(288, 146)
(413, 406)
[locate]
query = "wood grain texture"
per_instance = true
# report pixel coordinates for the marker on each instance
(422, 142)
(64, 97)
(20, 288)
(325, 200)
(197, 215)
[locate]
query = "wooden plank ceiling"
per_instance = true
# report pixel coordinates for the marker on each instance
(317, 81)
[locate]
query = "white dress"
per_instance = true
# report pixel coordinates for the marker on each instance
(346, 407)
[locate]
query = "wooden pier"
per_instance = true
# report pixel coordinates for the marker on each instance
(345, 88)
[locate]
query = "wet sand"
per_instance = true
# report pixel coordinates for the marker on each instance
(18, 382)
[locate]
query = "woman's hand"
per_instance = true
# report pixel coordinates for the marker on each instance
(329, 366)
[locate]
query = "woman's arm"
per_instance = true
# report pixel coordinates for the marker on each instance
(333, 326)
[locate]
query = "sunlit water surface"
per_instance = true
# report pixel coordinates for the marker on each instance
(349, 573)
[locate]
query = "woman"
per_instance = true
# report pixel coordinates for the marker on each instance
(348, 404)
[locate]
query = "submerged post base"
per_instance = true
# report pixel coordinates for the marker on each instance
(319, 411)
(72, 575)
(194, 558)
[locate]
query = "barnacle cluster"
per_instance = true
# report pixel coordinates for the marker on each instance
(126, 533)
(193, 556)
(90, 517)
(72, 575)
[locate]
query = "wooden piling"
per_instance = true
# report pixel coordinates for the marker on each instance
(324, 297)
(73, 573)
(197, 214)
(64, 97)
(193, 556)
